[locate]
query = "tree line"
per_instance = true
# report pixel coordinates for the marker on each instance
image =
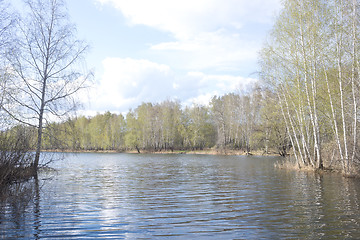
(234, 121)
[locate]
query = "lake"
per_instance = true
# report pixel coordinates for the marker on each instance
(131, 196)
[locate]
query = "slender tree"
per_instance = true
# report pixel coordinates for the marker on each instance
(44, 61)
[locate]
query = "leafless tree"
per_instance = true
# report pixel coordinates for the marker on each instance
(45, 62)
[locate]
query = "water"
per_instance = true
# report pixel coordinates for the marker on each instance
(127, 196)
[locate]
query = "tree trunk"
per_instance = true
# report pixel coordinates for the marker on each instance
(342, 105)
(312, 113)
(40, 126)
(137, 149)
(353, 85)
(288, 130)
(335, 126)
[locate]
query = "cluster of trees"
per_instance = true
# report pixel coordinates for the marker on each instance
(230, 122)
(311, 63)
(39, 75)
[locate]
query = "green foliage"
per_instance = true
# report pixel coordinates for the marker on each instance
(234, 121)
(132, 136)
(102, 132)
(311, 63)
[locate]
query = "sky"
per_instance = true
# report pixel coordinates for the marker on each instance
(151, 51)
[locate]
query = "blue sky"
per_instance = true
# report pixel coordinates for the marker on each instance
(150, 51)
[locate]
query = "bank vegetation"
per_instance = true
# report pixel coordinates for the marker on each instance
(230, 123)
(311, 63)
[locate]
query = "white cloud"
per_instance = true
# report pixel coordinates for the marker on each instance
(203, 100)
(126, 83)
(216, 84)
(221, 49)
(208, 34)
(186, 18)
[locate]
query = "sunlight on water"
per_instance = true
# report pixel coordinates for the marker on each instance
(126, 196)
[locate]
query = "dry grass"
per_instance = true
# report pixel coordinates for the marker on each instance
(291, 165)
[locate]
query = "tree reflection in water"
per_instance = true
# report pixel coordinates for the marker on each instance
(19, 208)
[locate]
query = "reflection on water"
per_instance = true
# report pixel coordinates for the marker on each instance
(180, 196)
(16, 201)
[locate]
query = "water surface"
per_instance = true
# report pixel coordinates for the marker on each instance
(130, 196)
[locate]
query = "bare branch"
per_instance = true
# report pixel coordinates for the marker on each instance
(43, 65)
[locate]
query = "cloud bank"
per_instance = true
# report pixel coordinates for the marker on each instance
(127, 83)
(187, 18)
(208, 34)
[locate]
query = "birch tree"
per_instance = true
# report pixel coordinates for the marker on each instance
(45, 63)
(311, 61)
(294, 51)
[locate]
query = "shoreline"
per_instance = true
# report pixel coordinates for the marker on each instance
(220, 152)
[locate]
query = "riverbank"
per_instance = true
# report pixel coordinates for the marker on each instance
(292, 166)
(197, 152)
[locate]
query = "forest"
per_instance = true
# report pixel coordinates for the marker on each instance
(304, 107)
(231, 122)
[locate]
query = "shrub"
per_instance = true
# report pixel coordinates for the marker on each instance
(15, 156)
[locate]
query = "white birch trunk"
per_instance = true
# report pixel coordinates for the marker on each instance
(335, 124)
(310, 107)
(288, 130)
(293, 129)
(341, 88)
(353, 85)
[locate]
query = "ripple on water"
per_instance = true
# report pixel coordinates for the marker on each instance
(126, 196)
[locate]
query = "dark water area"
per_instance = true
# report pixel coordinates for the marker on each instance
(130, 196)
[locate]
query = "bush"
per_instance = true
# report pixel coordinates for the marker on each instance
(15, 156)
